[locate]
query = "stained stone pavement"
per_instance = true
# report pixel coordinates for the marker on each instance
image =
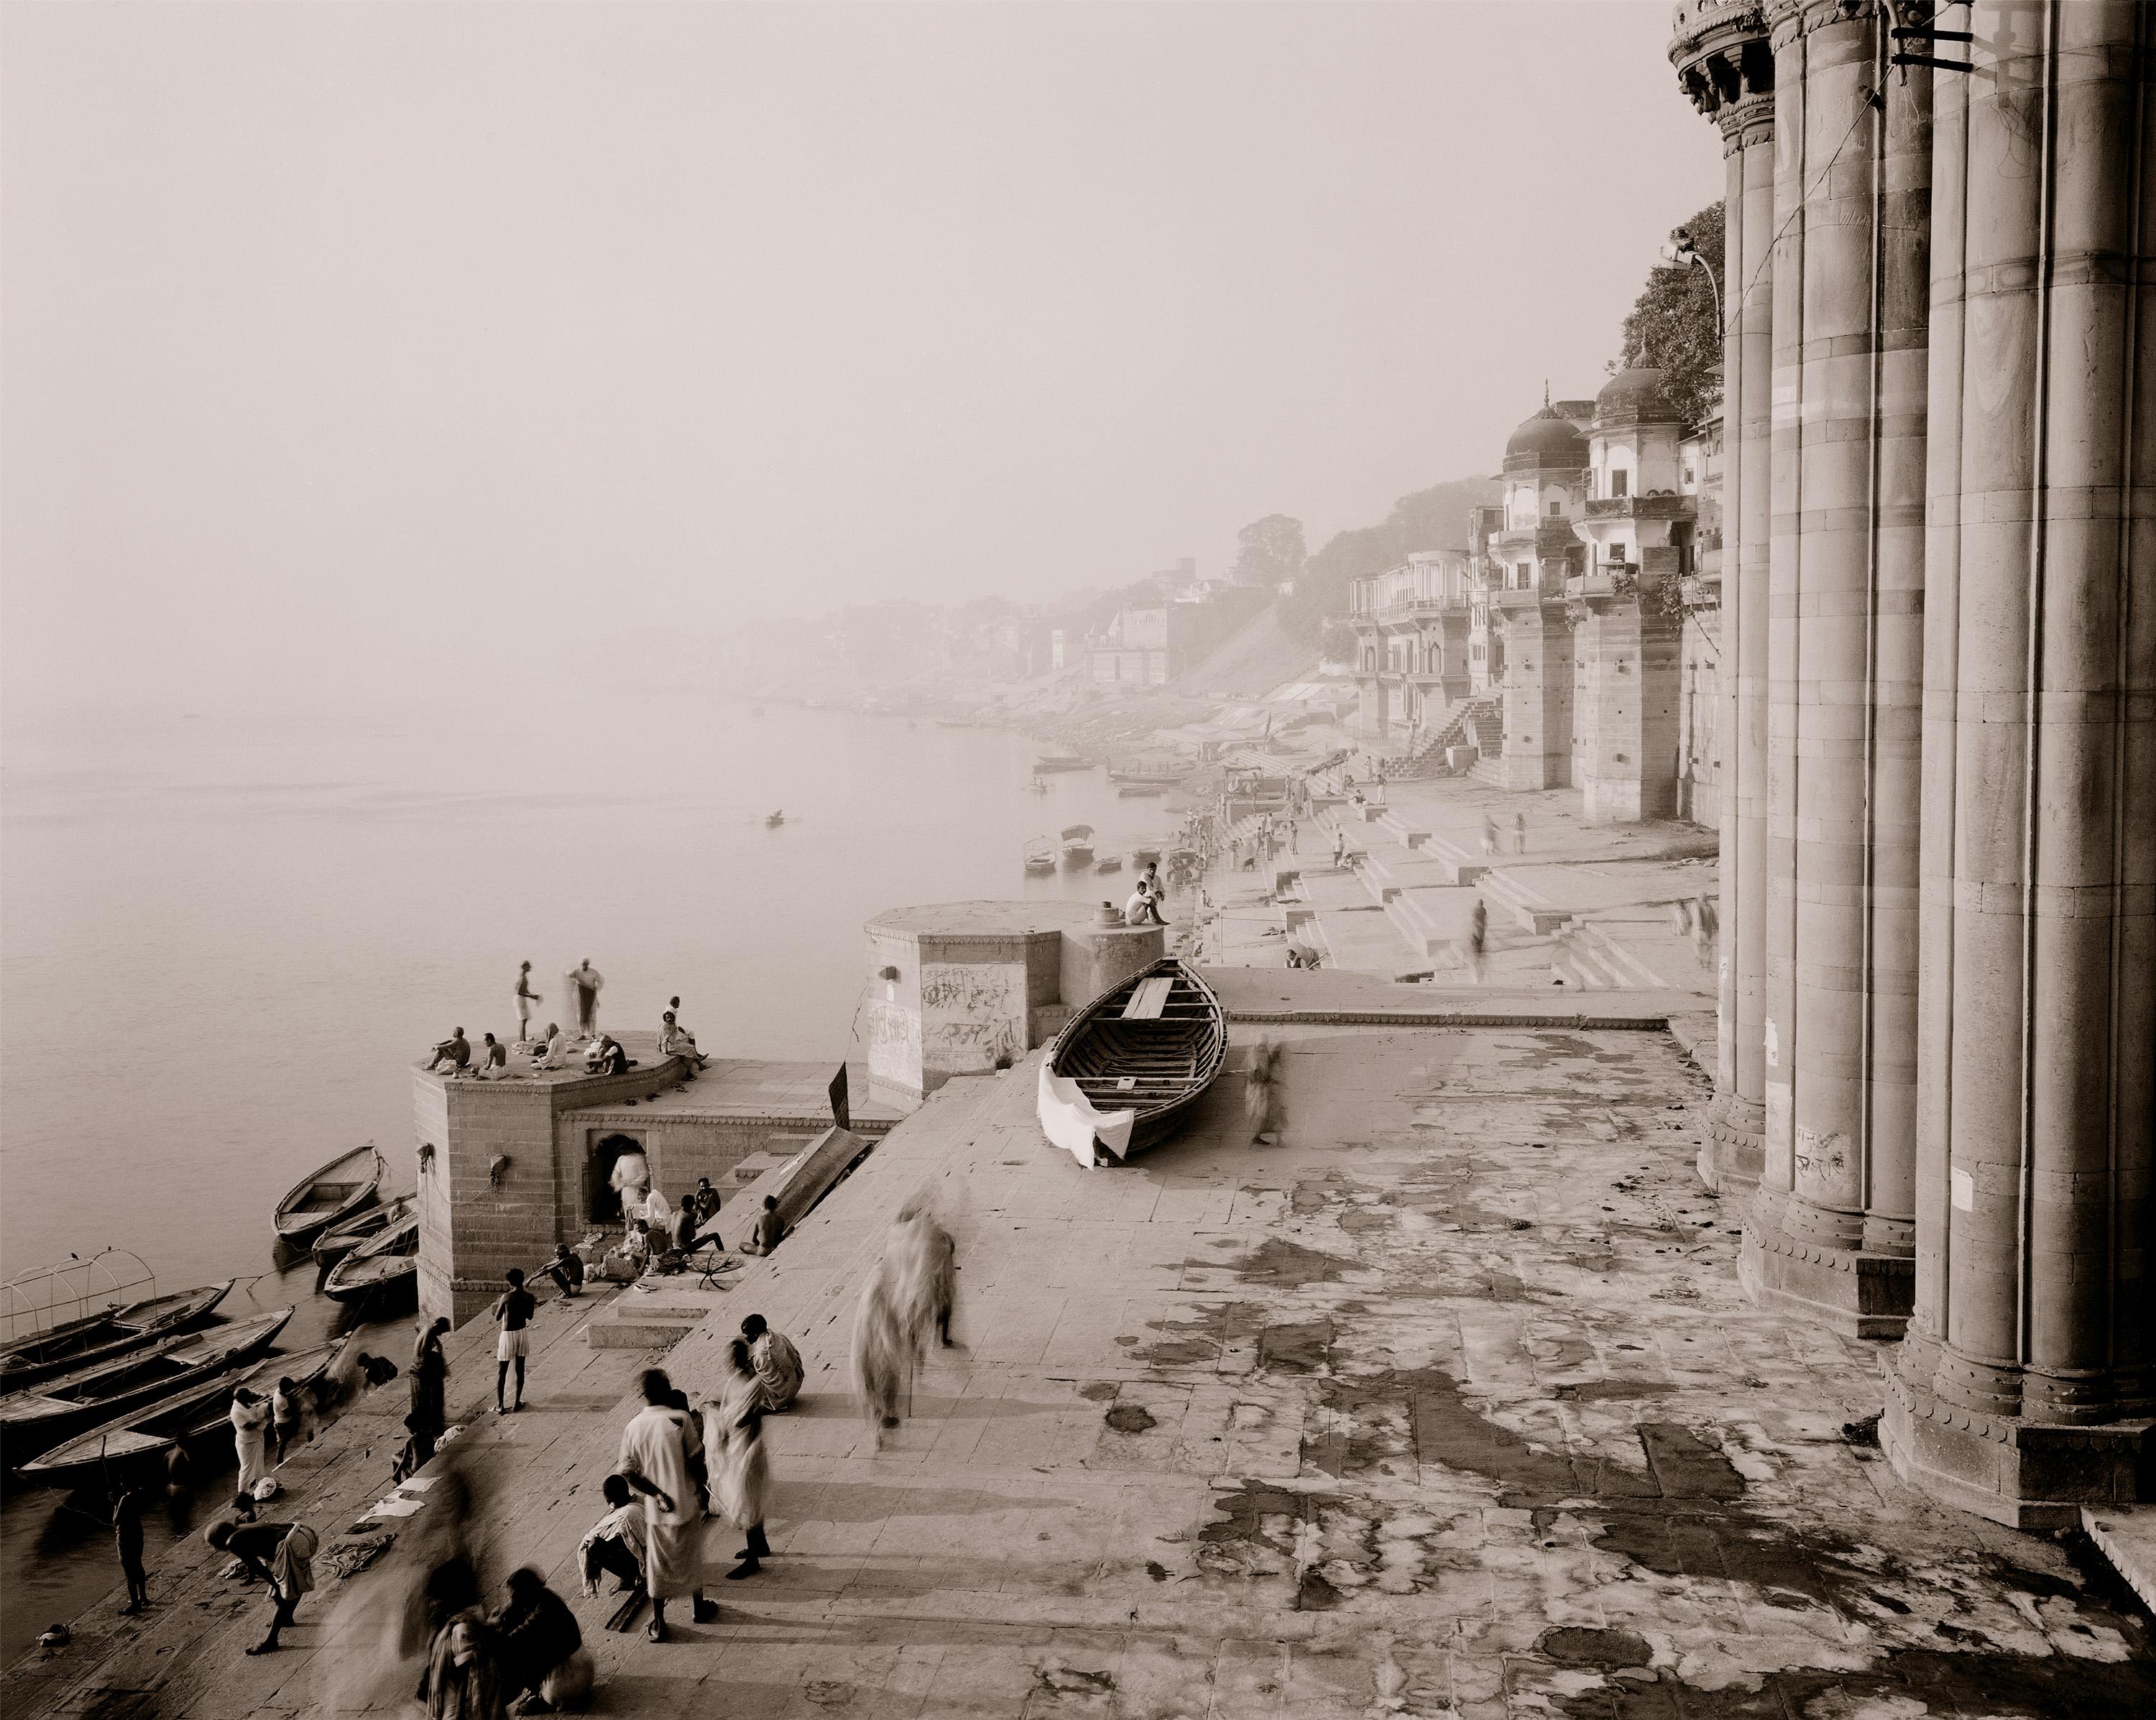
(1445, 1405)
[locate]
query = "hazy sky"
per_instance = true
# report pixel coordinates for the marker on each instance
(349, 349)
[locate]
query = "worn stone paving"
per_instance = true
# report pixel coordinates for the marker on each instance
(1445, 1405)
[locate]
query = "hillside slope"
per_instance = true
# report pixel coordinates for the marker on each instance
(1249, 663)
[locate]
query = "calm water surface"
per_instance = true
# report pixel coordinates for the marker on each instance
(224, 941)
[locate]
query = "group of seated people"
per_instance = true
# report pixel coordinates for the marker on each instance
(603, 1056)
(481, 1660)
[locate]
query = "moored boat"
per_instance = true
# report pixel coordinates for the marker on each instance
(32, 1422)
(1141, 791)
(330, 1195)
(145, 1434)
(379, 1265)
(1040, 856)
(1109, 863)
(772, 820)
(1126, 1069)
(334, 1244)
(132, 1327)
(1061, 761)
(1077, 845)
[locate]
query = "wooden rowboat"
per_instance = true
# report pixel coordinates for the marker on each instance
(334, 1244)
(1124, 1073)
(144, 1436)
(381, 1264)
(1040, 856)
(132, 1327)
(330, 1195)
(34, 1422)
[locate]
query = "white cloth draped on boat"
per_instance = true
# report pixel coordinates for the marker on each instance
(1068, 1118)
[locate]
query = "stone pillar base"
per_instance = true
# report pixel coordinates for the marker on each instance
(1857, 1294)
(2026, 1474)
(1734, 1153)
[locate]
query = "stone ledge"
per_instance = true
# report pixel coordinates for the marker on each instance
(1857, 1294)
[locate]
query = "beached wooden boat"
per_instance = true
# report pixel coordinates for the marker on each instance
(1078, 844)
(334, 1244)
(32, 1422)
(379, 1265)
(122, 1330)
(1040, 856)
(141, 1438)
(1126, 1070)
(330, 1195)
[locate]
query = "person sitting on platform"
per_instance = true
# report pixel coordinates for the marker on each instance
(776, 1363)
(553, 1050)
(768, 1230)
(615, 1543)
(683, 1224)
(607, 1057)
(707, 1201)
(566, 1270)
(493, 1058)
(455, 1050)
(676, 1040)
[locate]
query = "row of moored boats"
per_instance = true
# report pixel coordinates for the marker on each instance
(122, 1387)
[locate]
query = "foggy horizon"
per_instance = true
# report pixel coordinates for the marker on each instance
(362, 354)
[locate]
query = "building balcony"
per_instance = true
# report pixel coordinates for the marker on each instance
(1665, 506)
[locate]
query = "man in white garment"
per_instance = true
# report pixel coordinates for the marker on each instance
(656, 1449)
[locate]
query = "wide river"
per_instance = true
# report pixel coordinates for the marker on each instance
(224, 943)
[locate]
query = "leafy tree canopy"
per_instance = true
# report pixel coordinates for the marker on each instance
(1269, 550)
(1672, 323)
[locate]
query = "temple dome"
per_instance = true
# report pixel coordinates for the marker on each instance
(1549, 439)
(1634, 395)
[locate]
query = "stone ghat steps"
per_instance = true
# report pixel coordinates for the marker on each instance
(1508, 894)
(1433, 919)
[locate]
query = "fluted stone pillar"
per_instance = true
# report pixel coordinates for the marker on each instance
(1832, 1231)
(1726, 66)
(2023, 1390)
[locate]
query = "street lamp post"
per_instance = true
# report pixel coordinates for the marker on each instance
(1679, 253)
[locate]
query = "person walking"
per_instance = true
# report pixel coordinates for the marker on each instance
(512, 1312)
(776, 1363)
(584, 982)
(1519, 832)
(1478, 930)
(527, 1000)
(429, 1388)
(1489, 836)
(127, 1541)
(250, 1436)
(287, 1417)
(733, 1445)
(656, 1447)
(1294, 837)
(1339, 845)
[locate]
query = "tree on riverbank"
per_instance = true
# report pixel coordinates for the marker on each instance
(1436, 518)
(1671, 324)
(1269, 550)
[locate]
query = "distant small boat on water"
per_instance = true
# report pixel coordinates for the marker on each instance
(1078, 844)
(772, 820)
(1109, 863)
(1040, 856)
(756, 711)
(1133, 791)
(1061, 761)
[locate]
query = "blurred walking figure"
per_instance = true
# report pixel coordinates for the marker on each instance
(464, 1672)
(527, 1000)
(928, 1266)
(287, 1416)
(1339, 845)
(1519, 832)
(657, 1449)
(1261, 1091)
(883, 1359)
(1478, 932)
(1681, 919)
(250, 1437)
(1706, 929)
(127, 1539)
(1488, 835)
(733, 1445)
(430, 1380)
(584, 982)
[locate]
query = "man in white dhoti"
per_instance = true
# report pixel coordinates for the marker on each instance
(656, 1449)
(630, 1178)
(584, 983)
(733, 1447)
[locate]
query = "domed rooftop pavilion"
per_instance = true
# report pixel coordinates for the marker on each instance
(1548, 442)
(1634, 397)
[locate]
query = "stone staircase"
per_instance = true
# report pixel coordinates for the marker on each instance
(1459, 726)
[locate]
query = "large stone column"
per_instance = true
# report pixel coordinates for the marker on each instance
(1538, 688)
(2024, 1389)
(1727, 67)
(1832, 1232)
(1626, 648)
